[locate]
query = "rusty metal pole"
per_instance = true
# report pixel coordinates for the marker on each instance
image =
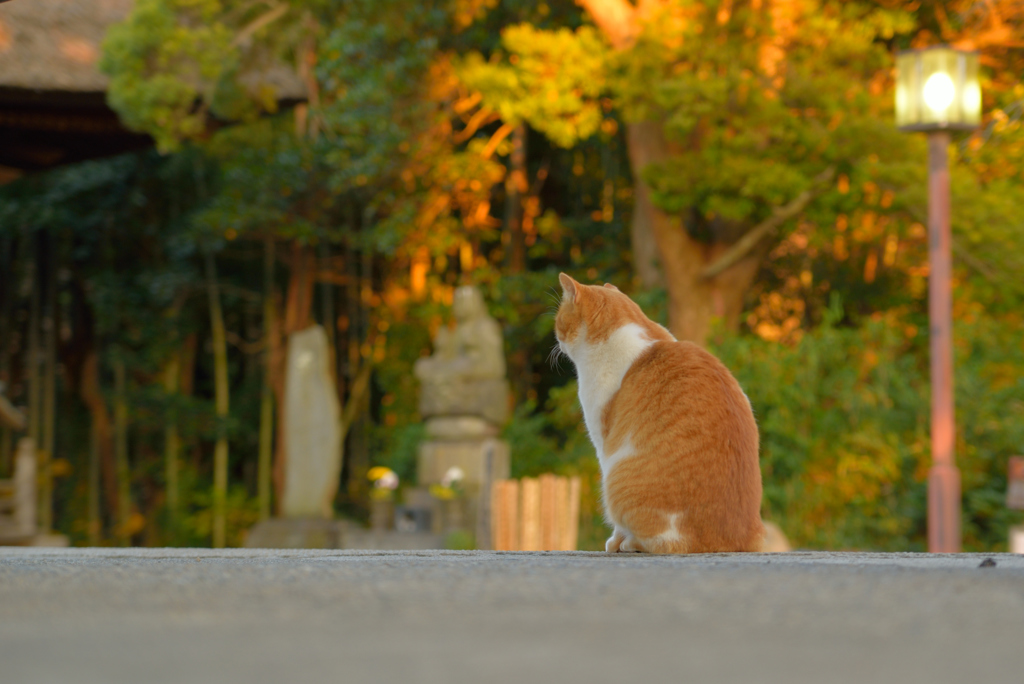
(943, 478)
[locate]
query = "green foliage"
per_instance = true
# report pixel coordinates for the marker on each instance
(460, 540)
(844, 420)
(552, 80)
(373, 77)
(552, 440)
(754, 127)
(167, 55)
(134, 294)
(988, 231)
(271, 183)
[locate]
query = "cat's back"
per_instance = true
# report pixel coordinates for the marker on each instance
(677, 389)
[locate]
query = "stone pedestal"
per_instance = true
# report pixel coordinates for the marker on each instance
(297, 533)
(482, 460)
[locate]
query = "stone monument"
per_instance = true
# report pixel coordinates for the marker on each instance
(312, 436)
(464, 400)
(312, 432)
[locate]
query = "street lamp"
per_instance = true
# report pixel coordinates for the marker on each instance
(937, 91)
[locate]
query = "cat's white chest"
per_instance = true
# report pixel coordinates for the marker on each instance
(600, 368)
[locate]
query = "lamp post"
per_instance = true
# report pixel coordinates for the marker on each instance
(937, 91)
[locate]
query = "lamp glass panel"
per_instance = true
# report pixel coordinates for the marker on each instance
(937, 88)
(971, 98)
(907, 90)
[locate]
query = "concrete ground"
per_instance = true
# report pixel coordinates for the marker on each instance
(254, 616)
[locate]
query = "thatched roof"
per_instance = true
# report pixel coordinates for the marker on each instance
(55, 44)
(52, 94)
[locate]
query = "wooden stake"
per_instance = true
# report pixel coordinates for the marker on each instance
(530, 539)
(573, 528)
(562, 514)
(548, 522)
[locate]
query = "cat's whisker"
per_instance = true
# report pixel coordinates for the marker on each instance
(555, 357)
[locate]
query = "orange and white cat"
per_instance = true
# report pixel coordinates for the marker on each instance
(674, 433)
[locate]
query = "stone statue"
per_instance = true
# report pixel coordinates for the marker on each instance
(465, 377)
(464, 400)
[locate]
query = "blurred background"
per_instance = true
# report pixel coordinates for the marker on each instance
(186, 183)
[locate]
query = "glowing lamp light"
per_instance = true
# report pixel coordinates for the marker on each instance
(937, 89)
(939, 92)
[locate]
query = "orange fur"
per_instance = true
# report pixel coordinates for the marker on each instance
(675, 434)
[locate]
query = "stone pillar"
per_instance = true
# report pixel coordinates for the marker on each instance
(312, 469)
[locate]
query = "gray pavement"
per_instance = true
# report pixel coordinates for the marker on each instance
(254, 616)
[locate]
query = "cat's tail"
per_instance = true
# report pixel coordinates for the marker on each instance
(774, 539)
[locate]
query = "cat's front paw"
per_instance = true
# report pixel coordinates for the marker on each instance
(614, 542)
(622, 541)
(630, 545)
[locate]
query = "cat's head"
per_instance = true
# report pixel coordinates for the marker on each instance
(589, 314)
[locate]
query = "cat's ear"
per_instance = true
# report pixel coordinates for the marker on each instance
(612, 287)
(570, 288)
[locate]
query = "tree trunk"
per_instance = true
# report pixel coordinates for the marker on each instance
(32, 348)
(297, 316)
(266, 447)
(95, 524)
(327, 314)
(7, 295)
(645, 248)
(694, 300)
(172, 442)
(49, 398)
(515, 192)
(124, 499)
(358, 453)
(92, 397)
(222, 399)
